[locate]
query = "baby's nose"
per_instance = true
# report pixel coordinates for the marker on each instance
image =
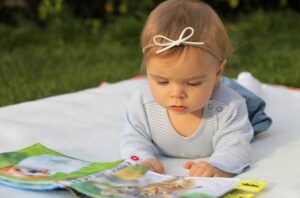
(177, 91)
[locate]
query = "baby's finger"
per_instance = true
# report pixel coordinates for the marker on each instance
(158, 167)
(208, 173)
(188, 164)
(147, 166)
(197, 170)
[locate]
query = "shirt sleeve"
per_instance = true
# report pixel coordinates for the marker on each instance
(232, 149)
(136, 139)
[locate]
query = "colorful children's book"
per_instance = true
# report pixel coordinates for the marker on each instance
(40, 168)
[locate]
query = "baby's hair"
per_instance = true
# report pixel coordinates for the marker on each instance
(171, 17)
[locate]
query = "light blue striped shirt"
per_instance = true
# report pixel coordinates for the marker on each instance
(224, 133)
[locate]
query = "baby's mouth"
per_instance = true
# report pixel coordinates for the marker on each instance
(178, 108)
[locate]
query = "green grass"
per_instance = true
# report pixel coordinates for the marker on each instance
(68, 56)
(37, 63)
(268, 46)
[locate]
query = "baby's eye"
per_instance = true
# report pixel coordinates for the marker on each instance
(194, 83)
(162, 82)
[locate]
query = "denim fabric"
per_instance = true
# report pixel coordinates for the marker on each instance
(255, 105)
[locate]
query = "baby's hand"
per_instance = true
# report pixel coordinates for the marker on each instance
(153, 164)
(205, 169)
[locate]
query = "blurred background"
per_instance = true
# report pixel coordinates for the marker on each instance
(51, 47)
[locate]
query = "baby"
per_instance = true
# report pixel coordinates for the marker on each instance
(185, 110)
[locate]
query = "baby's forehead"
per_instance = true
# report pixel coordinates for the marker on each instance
(187, 55)
(180, 68)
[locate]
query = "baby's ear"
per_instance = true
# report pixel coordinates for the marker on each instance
(221, 69)
(223, 63)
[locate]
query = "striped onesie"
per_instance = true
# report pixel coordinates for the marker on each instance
(224, 133)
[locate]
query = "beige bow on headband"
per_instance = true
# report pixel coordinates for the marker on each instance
(180, 41)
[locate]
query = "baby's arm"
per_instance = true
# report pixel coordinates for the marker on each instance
(232, 149)
(136, 139)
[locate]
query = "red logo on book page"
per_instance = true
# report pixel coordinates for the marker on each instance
(135, 158)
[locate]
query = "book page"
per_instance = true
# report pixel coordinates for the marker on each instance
(136, 181)
(40, 168)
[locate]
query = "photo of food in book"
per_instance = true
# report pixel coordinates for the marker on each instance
(137, 181)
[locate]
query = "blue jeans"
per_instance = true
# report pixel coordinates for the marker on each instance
(255, 105)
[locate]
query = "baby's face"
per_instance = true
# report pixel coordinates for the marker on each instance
(183, 84)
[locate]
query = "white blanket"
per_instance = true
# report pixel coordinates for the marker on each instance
(87, 125)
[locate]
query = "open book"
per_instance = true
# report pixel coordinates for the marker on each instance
(40, 168)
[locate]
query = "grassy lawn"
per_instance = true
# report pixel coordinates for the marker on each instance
(69, 56)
